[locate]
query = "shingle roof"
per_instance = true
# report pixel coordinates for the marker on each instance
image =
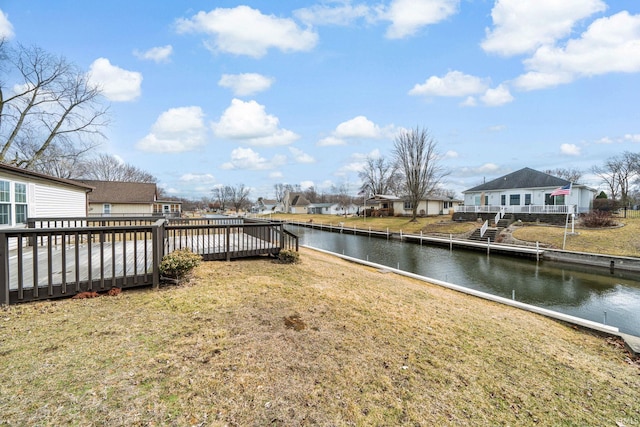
(31, 174)
(523, 178)
(121, 192)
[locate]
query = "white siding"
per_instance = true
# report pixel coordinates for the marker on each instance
(57, 201)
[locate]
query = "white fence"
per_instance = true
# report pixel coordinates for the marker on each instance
(530, 209)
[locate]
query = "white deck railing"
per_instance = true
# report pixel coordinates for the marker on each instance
(531, 209)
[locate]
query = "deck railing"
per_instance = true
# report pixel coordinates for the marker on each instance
(63, 256)
(530, 209)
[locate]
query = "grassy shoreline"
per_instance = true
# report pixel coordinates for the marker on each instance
(619, 241)
(371, 349)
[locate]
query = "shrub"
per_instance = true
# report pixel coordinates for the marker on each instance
(179, 263)
(596, 219)
(287, 256)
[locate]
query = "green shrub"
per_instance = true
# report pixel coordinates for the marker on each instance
(179, 263)
(287, 256)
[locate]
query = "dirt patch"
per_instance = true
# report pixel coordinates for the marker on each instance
(294, 322)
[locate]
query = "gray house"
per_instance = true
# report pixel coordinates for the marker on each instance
(528, 191)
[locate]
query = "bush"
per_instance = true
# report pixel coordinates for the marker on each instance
(287, 256)
(179, 263)
(597, 219)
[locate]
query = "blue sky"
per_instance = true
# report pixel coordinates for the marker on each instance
(207, 93)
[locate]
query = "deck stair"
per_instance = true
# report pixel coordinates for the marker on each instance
(492, 232)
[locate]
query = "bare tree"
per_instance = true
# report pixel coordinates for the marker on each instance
(341, 196)
(222, 195)
(281, 190)
(570, 174)
(419, 163)
(619, 173)
(239, 196)
(105, 167)
(379, 176)
(51, 103)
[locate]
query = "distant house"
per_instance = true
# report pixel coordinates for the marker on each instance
(528, 191)
(26, 194)
(117, 198)
(332, 209)
(401, 206)
(295, 202)
(267, 206)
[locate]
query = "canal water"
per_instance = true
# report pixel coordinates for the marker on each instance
(587, 292)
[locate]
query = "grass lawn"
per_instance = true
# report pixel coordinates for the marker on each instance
(622, 240)
(322, 342)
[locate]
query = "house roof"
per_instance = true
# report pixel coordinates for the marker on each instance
(121, 192)
(523, 178)
(40, 176)
(297, 199)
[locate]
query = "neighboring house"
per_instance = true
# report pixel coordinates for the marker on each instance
(332, 209)
(295, 203)
(267, 206)
(26, 194)
(116, 198)
(527, 191)
(400, 206)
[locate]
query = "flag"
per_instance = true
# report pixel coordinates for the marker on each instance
(562, 191)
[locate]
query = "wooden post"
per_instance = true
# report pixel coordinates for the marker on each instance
(4, 268)
(228, 233)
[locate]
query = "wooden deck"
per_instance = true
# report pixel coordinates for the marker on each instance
(115, 260)
(62, 261)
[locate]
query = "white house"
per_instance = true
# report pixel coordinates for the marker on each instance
(528, 191)
(332, 209)
(400, 206)
(27, 194)
(295, 202)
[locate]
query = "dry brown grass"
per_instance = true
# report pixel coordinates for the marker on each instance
(322, 342)
(622, 240)
(441, 224)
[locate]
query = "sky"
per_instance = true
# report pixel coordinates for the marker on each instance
(209, 93)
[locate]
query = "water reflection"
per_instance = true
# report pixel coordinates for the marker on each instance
(577, 290)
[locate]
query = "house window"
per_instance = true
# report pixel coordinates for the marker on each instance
(527, 199)
(408, 205)
(106, 209)
(20, 191)
(503, 200)
(514, 199)
(5, 203)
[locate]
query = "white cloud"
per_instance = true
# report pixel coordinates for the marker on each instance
(176, 130)
(249, 122)
(470, 101)
(570, 149)
(521, 26)
(200, 178)
(246, 84)
(330, 141)
(343, 14)
(156, 54)
(300, 156)
(451, 154)
(116, 83)
(6, 29)
(356, 128)
(496, 97)
(305, 185)
(497, 128)
(632, 137)
(276, 175)
(605, 140)
(408, 16)
(246, 158)
(610, 44)
(246, 31)
(454, 83)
